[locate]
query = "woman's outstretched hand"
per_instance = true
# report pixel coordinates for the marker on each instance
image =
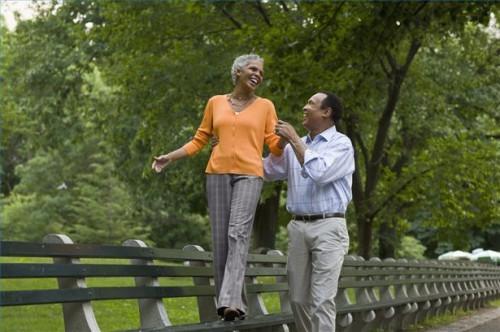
(161, 162)
(164, 160)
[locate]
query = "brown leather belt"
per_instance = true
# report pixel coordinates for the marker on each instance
(314, 217)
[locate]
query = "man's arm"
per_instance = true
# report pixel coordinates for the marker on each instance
(276, 167)
(321, 166)
(289, 135)
(329, 165)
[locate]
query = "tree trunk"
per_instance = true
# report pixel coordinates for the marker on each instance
(386, 240)
(266, 221)
(362, 195)
(365, 229)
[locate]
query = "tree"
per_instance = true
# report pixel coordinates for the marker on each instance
(154, 64)
(77, 194)
(67, 180)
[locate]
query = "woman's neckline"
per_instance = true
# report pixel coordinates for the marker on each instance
(250, 102)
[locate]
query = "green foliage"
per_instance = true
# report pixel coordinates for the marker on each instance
(282, 239)
(411, 248)
(135, 76)
(77, 194)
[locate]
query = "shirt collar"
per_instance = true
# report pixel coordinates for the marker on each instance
(327, 134)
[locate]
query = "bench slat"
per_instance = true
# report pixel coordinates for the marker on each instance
(40, 270)
(351, 272)
(12, 298)
(267, 288)
(219, 326)
(395, 281)
(464, 265)
(26, 249)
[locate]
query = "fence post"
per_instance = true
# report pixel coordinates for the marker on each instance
(78, 316)
(467, 287)
(423, 290)
(152, 311)
(446, 300)
(343, 322)
(413, 292)
(363, 319)
(403, 312)
(461, 288)
(255, 302)
(386, 296)
(436, 303)
(452, 288)
(257, 305)
(382, 315)
(207, 308)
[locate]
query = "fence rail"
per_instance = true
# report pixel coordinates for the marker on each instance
(373, 294)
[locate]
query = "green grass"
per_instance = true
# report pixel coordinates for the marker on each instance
(110, 315)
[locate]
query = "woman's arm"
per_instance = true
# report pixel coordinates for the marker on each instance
(273, 141)
(196, 144)
(204, 131)
(162, 161)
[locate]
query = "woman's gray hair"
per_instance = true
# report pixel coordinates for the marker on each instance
(241, 62)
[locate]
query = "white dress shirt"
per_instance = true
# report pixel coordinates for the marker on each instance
(323, 184)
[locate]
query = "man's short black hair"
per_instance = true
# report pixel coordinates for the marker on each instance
(335, 103)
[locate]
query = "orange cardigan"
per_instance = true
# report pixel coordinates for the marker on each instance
(241, 136)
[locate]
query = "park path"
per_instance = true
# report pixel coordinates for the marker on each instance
(482, 320)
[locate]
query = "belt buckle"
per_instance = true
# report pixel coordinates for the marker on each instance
(312, 217)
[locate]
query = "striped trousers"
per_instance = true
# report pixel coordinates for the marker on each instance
(232, 201)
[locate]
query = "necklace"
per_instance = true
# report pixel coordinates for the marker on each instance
(239, 103)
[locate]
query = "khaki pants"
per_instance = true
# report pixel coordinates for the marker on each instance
(315, 255)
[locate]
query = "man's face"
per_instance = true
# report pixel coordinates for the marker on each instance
(314, 115)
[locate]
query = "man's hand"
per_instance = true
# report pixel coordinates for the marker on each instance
(161, 162)
(288, 135)
(286, 131)
(214, 140)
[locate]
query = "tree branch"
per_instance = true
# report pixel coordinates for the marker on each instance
(364, 150)
(392, 62)
(319, 30)
(329, 22)
(384, 123)
(415, 45)
(400, 189)
(284, 6)
(419, 9)
(357, 187)
(262, 11)
(384, 68)
(237, 24)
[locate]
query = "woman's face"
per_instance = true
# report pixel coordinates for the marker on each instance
(251, 75)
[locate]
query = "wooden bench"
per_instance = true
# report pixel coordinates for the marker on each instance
(76, 297)
(393, 294)
(388, 295)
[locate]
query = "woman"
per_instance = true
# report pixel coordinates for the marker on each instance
(241, 122)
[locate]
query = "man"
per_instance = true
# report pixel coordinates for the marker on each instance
(319, 170)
